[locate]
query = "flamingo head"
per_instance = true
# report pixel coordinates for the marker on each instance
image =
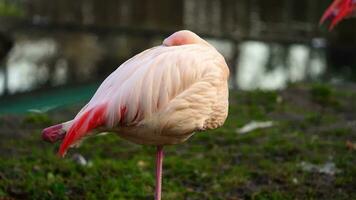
(183, 37)
(337, 11)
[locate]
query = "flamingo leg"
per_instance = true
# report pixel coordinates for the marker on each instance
(159, 161)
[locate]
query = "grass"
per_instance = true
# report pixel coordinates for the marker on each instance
(313, 125)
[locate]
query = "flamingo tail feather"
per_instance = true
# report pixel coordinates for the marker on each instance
(88, 121)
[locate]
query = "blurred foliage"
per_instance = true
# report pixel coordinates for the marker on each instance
(11, 8)
(38, 119)
(323, 95)
(216, 165)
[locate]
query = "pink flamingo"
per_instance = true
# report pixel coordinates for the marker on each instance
(337, 11)
(159, 97)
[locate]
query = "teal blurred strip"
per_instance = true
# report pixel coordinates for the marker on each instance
(46, 100)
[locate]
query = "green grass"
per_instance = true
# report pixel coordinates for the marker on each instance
(214, 165)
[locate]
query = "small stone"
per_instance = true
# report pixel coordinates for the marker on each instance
(295, 181)
(141, 164)
(328, 168)
(79, 159)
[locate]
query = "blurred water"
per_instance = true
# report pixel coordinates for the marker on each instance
(38, 61)
(32, 63)
(27, 65)
(295, 63)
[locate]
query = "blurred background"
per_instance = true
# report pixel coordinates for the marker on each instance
(268, 44)
(285, 69)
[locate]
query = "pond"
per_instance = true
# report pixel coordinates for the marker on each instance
(260, 65)
(46, 61)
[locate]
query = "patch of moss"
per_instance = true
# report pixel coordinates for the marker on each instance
(271, 195)
(37, 119)
(10, 9)
(324, 95)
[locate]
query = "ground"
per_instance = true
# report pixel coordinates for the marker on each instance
(314, 126)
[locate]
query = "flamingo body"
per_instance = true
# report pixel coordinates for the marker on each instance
(159, 97)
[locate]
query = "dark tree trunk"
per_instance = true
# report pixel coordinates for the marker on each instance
(6, 44)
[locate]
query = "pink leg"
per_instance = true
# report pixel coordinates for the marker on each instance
(159, 161)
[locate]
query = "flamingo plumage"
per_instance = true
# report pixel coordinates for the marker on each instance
(337, 11)
(159, 97)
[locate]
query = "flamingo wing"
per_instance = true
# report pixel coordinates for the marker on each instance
(158, 79)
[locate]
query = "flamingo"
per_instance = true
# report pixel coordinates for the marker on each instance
(337, 11)
(159, 97)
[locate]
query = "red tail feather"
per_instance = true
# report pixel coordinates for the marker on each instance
(345, 10)
(337, 11)
(329, 12)
(88, 121)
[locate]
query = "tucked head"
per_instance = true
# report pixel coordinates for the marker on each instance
(183, 37)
